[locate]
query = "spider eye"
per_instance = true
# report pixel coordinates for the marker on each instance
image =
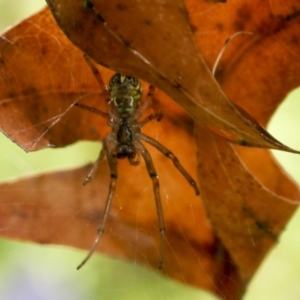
(132, 81)
(116, 79)
(123, 80)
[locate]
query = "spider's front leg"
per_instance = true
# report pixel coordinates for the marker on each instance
(97, 76)
(92, 110)
(112, 162)
(144, 106)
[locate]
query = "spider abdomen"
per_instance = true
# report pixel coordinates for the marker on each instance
(124, 134)
(125, 147)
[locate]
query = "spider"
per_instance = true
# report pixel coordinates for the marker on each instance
(125, 141)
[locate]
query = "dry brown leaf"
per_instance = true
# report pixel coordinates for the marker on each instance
(252, 202)
(163, 52)
(37, 108)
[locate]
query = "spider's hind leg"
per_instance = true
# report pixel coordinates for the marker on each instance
(94, 168)
(153, 175)
(112, 161)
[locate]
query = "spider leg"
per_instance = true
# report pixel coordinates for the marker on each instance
(112, 161)
(153, 175)
(92, 110)
(102, 86)
(94, 168)
(97, 75)
(141, 110)
(174, 159)
(134, 161)
(157, 116)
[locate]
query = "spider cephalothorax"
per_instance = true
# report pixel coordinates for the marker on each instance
(125, 141)
(125, 94)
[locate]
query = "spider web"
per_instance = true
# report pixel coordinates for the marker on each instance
(134, 278)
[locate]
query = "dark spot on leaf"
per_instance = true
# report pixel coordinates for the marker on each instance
(243, 143)
(45, 109)
(272, 25)
(276, 24)
(238, 191)
(184, 12)
(243, 16)
(100, 18)
(148, 22)
(193, 27)
(259, 225)
(177, 85)
(121, 6)
(12, 95)
(220, 26)
(88, 5)
(293, 16)
(127, 44)
(44, 50)
(93, 130)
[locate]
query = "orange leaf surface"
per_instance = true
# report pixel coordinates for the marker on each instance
(33, 112)
(247, 216)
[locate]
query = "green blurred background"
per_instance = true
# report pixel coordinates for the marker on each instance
(29, 271)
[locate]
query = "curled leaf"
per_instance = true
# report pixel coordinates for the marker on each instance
(154, 41)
